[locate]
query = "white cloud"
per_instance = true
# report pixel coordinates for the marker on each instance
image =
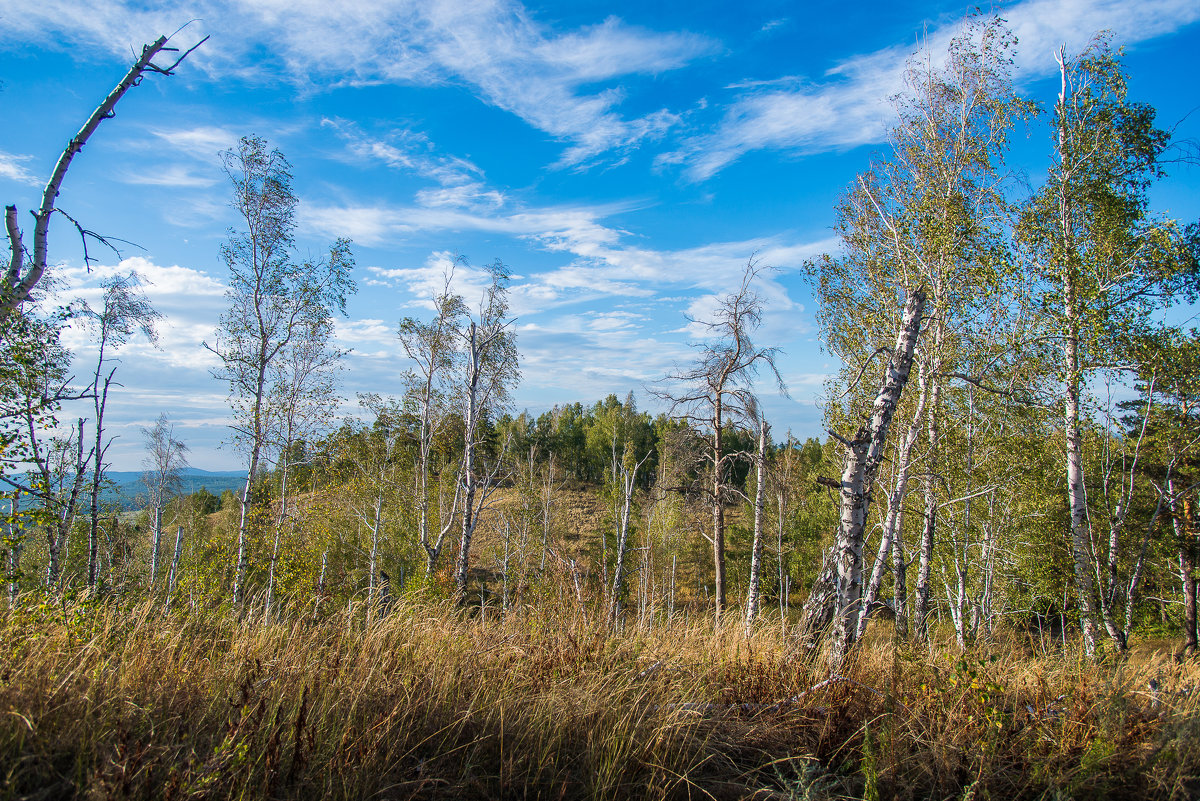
(176, 175)
(848, 105)
(368, 330)
(405, 149)
(12, 168)
(603, 263)
(556, 227)
(494, 47)
(203, 142)
(189, 300)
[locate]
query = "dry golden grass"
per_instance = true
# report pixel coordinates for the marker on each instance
(426, 702)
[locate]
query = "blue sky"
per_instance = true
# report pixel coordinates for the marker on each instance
(623, 159)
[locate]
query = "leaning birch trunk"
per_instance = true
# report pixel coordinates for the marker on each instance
(863, 456)
(753, 595)
(892, 527)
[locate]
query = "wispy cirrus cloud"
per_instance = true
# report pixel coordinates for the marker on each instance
(176, 175)
(603, 261)
(461, 184)
(848, 105)
(495, 48)
(202, 142)
(12, 168)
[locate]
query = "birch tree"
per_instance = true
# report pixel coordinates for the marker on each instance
(1098, 260)
(273, 301)
(627, 474)
(123, 311)
(715, 391)
(753, 595)
(166, 458)
(489, 371)
(928, 221)
(302, 399)
(33, 386)
(433, 348)
(864, 453)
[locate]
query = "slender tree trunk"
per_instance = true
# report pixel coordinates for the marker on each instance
(97, 471)
(892, 526)
(16, 546)
(174, 576)
(56, 534)
(753, 598)
(279, 523)
(469, 479)
(1072, 377)
(929, 522)
(247, 500)
(900, 585)
(373, 564)
(156, 544)
(547, 502)
(1181, 510)
(921, 605)
(718, 511)
(780, 504)
(1077, 498)
(618, 586)
(863, 456)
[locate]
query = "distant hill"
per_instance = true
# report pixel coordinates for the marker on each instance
(130, 493)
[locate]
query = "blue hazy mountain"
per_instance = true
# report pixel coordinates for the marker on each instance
(127, 489)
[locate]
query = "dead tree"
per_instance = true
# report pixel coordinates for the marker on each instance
(24, 272)
(714, 394)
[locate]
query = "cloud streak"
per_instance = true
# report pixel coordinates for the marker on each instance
(848, 105)
(495, 48)
(12, 168)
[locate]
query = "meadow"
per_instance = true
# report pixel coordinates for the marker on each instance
(425, 700)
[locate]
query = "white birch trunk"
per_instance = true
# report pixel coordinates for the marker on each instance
(863, 456)
(892, 526)
(753, 596)
(174, 576)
